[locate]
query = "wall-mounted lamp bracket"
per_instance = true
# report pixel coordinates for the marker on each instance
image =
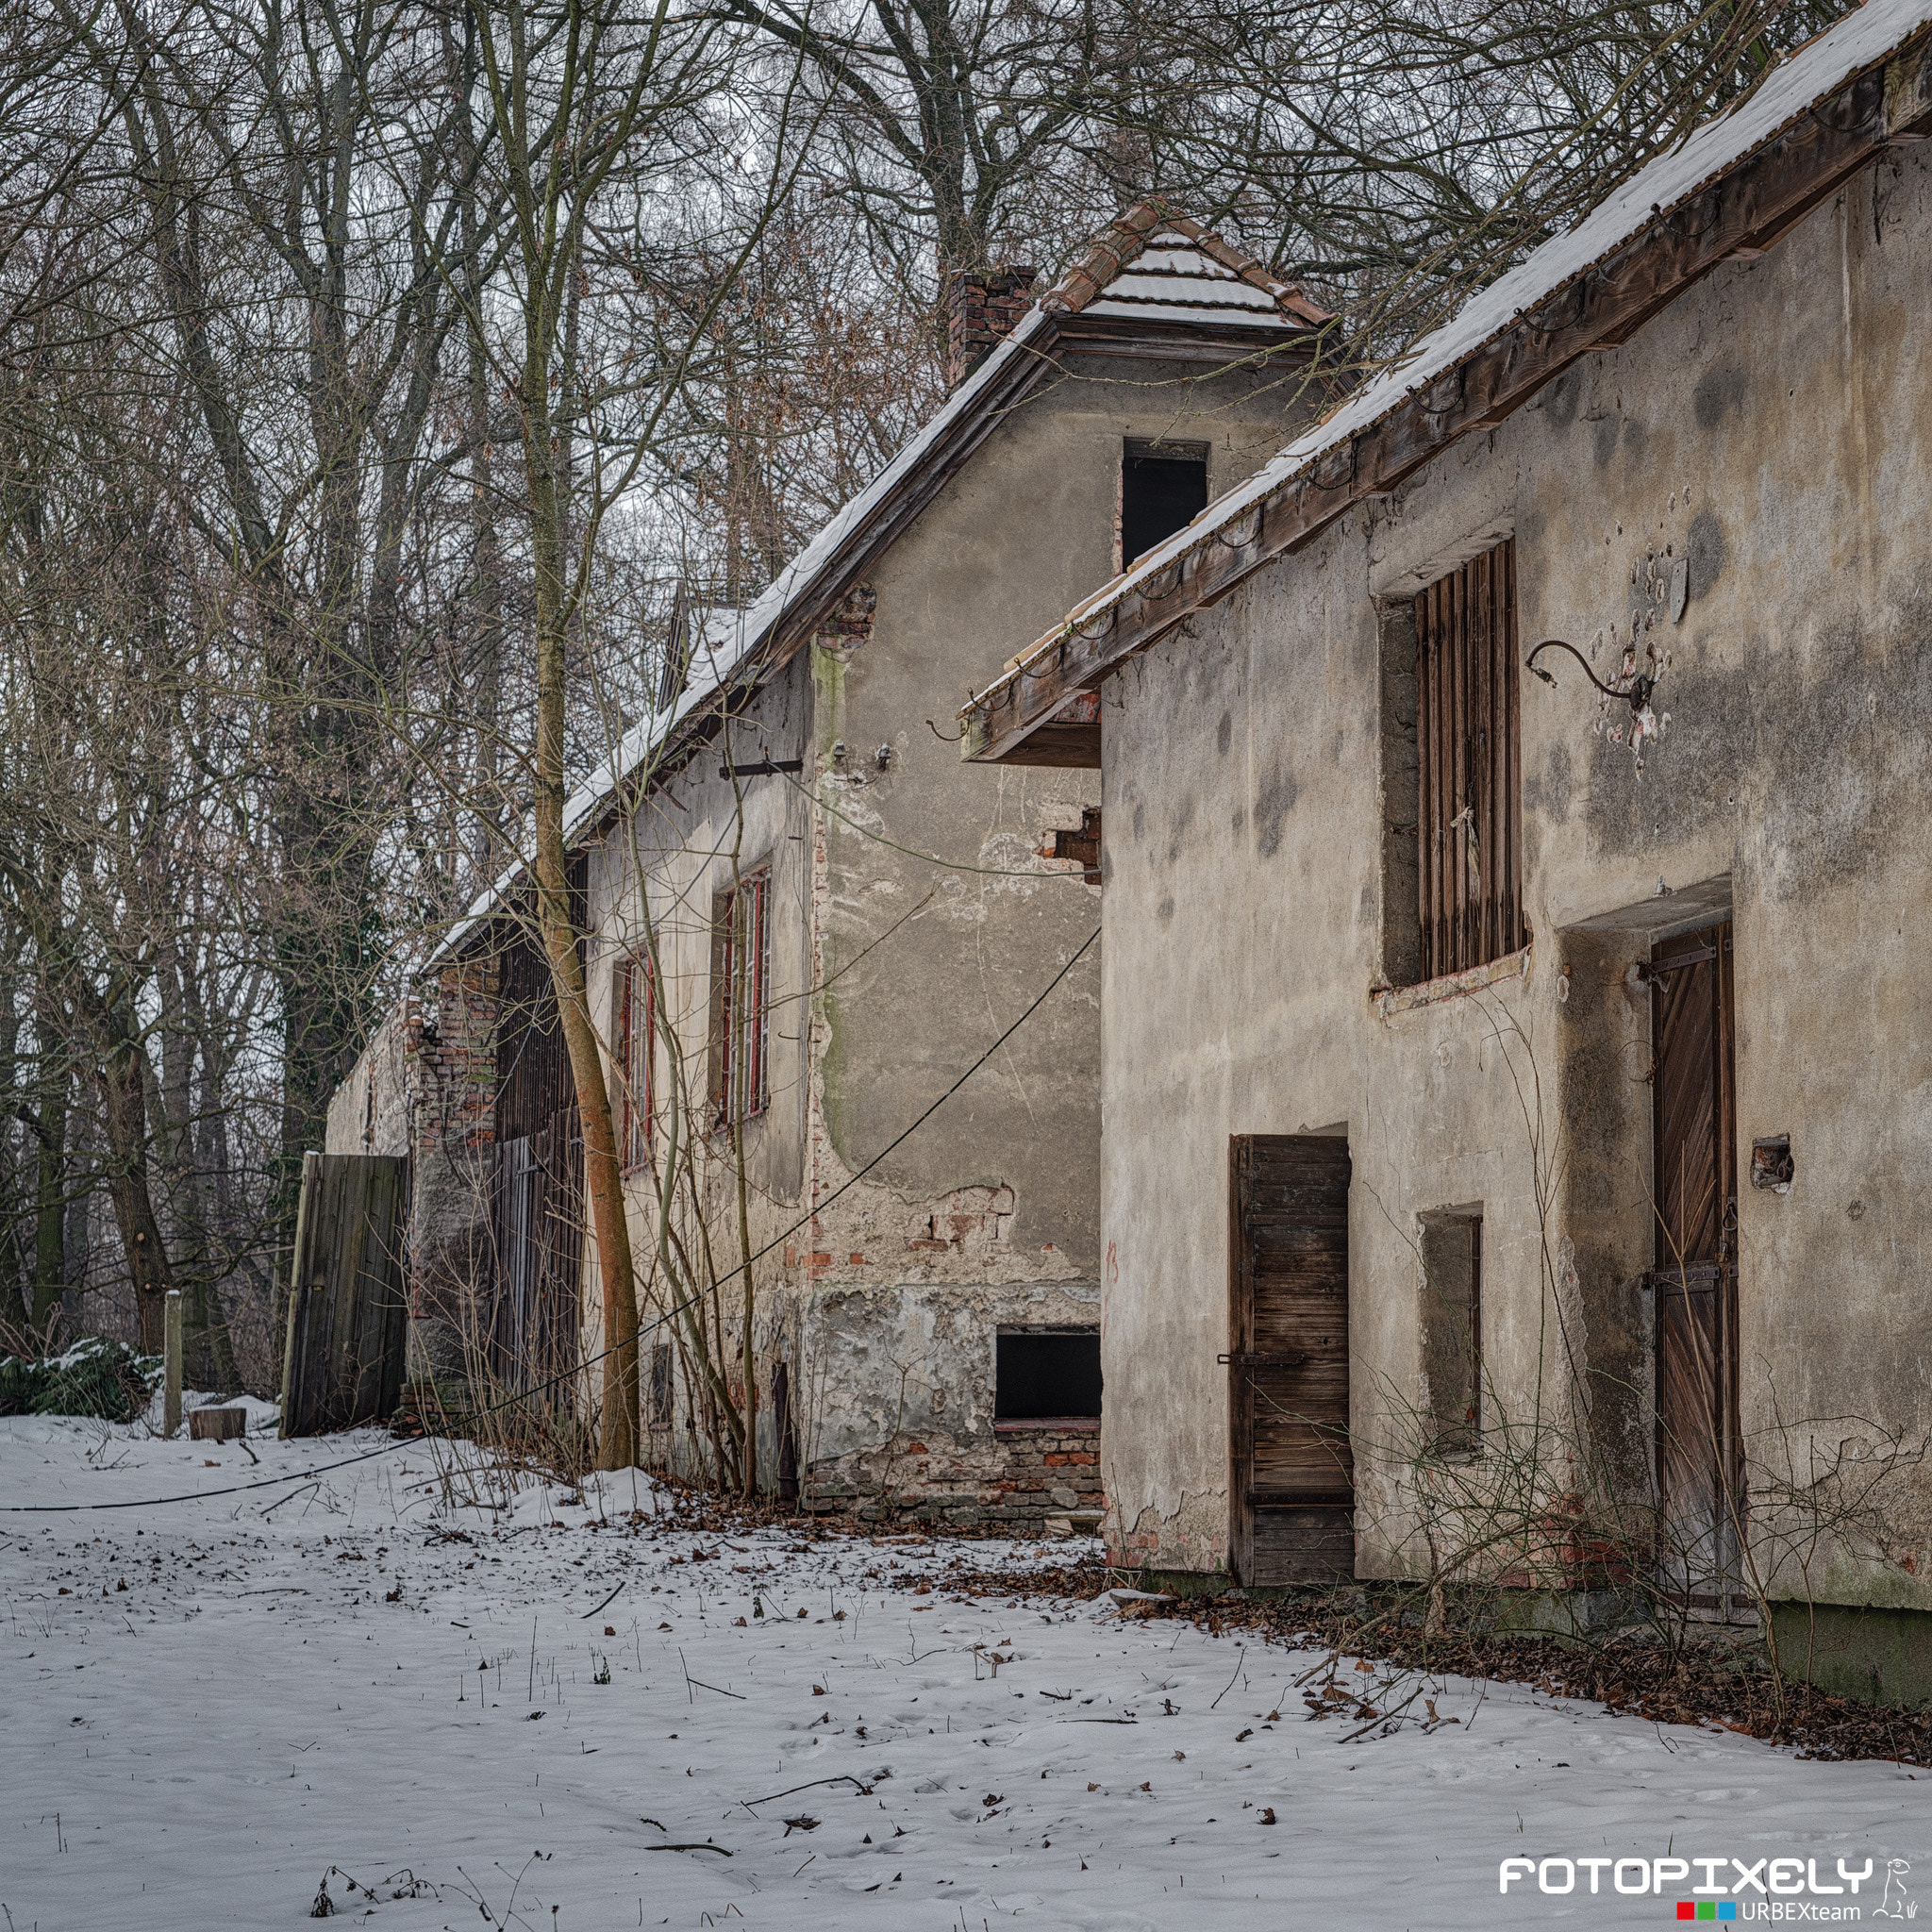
(1636, 693)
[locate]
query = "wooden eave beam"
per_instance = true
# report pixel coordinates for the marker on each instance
(1742, 212)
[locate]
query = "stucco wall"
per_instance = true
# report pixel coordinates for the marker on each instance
(885, 1306)
(1772, 427)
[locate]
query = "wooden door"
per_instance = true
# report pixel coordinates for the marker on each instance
(1694, 1277)
(534, 1338)
(348, 1311)
(1293, 1475)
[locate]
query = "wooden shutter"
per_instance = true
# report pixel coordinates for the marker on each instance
(637, 1027)
(1469, 767)
(743, 968)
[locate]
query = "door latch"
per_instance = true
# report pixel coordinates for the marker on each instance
(1246, 1359)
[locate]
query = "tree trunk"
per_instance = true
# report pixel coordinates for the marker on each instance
(122, 1076)
(617, 1443)
(50, 1206)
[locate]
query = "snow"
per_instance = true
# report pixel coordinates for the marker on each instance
(1815, 71)
(360, 1673)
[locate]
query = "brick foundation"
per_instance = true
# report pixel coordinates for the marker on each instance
(1033, 1472)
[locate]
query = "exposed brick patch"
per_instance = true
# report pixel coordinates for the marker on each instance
(1033, 1474)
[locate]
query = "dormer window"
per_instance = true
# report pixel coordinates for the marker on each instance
(1163, 488)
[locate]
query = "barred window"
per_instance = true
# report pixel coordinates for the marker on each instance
(1469, 767)
(740, 967)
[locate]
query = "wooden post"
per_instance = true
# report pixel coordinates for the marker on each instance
(170, 1390)
(298, 1281)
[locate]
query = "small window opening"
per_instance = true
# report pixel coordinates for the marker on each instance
(1046, 1372)
(1083, 845)
(637, 1018)
(1163, 488)
(741, 961)
(1451, 1245)
(657, 1406)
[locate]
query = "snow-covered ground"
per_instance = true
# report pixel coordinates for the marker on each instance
(210, 1704)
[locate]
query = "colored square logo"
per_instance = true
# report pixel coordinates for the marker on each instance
(1685, 1910)
(1728, 1908)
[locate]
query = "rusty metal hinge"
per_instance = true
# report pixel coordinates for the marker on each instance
(1247, 1359)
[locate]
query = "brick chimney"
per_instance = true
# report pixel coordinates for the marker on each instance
(981, 310)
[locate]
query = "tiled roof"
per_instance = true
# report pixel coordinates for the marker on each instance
(1153, 264)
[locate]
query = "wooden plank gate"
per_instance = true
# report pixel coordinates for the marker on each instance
(1292, 1471)
(348, 1300)
(1694, 1279)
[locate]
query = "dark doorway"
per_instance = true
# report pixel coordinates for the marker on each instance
(1163, 488)
(1294, 1474)
(1694, 1279)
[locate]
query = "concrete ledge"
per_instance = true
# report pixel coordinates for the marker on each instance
(1391, 1000)
(1878, 1656)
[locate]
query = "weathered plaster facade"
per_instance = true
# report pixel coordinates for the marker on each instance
(915, 912)
(891, 974)
(1772, 427)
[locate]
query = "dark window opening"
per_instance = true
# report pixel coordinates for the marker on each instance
(1083, 845)
(657, 1407)
(1163, 488)
(1041, 1373)
(1452, 1248)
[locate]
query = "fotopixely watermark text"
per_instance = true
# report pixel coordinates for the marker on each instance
(1765, 1890)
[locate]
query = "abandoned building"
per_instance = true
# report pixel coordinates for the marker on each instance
(807, 921)
(1519, 1084)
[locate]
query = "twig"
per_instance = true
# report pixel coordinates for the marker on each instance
(306, 1490)
(699, 1682)
(843, 1778)
(1240, 1653)
(604, 1605)
(718, 1849)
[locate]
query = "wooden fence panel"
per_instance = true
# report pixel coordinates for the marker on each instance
(348, 1313)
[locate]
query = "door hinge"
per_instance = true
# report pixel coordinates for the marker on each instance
(1247, 1359)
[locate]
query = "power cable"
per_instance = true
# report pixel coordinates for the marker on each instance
(536, 1389)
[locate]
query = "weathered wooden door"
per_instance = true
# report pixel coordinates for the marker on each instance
(540, 1248)
(1694, 1279)
(1293, 1475)
(348, 1309)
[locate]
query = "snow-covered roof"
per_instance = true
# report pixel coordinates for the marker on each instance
(1208, 283)
(1173, 280)
(1812, 74)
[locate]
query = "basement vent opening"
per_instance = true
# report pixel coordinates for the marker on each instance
(1046, 1372)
